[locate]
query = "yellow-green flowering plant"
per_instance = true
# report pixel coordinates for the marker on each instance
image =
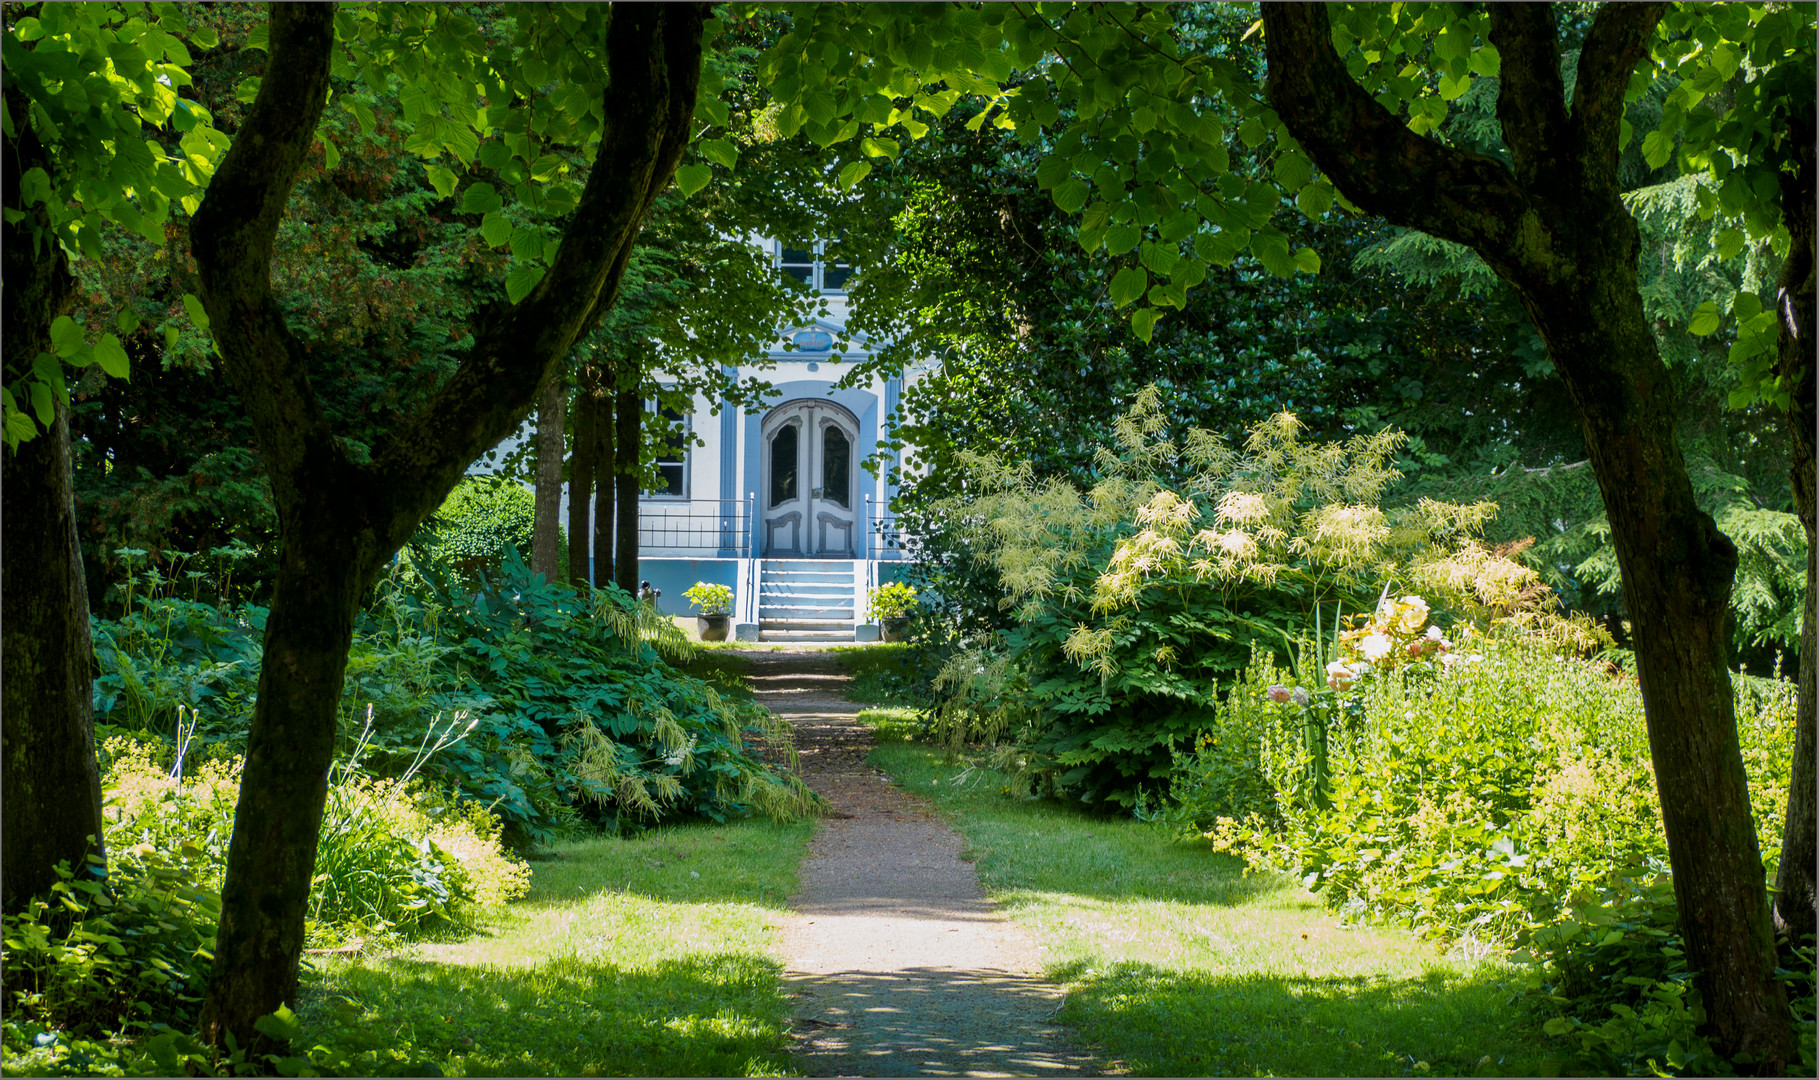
(711, 599)
(893, 601)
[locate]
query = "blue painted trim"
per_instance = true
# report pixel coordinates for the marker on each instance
(863, 404)
(729, 466)
(893, 400)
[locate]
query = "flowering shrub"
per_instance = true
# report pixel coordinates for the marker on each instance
(1506, 804)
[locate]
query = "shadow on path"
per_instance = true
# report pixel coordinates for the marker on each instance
(899, 963)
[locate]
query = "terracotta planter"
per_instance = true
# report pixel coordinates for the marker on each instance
(712, 627)
(895, 628)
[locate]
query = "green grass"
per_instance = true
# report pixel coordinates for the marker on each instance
(881, 672)
(647, 956)
(894, 724)
(1177, 964)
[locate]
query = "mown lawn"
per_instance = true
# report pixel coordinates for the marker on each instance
(648, 956)
(1177, 964)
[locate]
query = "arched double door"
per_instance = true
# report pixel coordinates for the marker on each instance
(807, 493)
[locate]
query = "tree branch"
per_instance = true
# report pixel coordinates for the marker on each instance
(232, 236)
(654, 59)
(1618, 41)
(1531, 98)
(1368, 152)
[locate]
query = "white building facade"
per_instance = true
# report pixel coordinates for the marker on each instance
(776, 502)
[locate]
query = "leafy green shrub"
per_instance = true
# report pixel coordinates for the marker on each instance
(1133, 601)
(711, 599)
(1506, 803)
(393, 856)
(132, 945)
(893, 600)
(583, 713)
(576, 711)
(471, 530)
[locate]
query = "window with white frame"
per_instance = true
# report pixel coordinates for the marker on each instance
(810, 266)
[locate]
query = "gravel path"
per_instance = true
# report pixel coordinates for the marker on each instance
(899, 964)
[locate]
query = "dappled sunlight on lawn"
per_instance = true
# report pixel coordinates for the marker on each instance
(649, 955)
(707, 1015)
(1166, 1021)
(1177, 962)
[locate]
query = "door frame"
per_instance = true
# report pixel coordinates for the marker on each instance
(812, 416)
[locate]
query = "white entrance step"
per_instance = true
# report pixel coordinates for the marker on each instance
(806, 600)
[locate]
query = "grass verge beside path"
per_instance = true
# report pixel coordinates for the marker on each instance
(651, 955)
(1178, 965)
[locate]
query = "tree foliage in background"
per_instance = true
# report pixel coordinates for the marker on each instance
(1365, 92)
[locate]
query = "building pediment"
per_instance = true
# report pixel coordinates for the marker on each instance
(817, 339)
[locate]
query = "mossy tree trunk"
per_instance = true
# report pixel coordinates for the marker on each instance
(1796, 896)
(340, 521)
(1555, 229)
(52, 807)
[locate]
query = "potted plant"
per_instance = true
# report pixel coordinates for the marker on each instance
(716, 604)
(891, 607)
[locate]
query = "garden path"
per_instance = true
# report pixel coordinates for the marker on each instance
(898, 962)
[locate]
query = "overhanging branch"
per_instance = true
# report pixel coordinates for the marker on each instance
(1368, 152)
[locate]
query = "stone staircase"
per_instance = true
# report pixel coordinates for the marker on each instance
(806, 600)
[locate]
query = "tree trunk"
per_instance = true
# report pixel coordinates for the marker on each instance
(340, 521)
(546, 530)
(1552, 225)
(583, 463)
(52, 810)
(606, 487)
(1796, 896)
(629, 420)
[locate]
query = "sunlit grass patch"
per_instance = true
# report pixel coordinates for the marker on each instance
(650, 955)
(881, 672)
(1177, 963)
(892, 723)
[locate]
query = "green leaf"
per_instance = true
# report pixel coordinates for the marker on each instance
(1293, 170)
(1729, 244)
(331, 157)
(43, 405)
(1557, 1025)
(523, 278)
(442, 179)
(1271, 249)
(1657, 148)
(719, 151)
(481, 198)
(495, 229)
(66, 336)
(693, 177)
(1072, 194)
(879, 147)
(1129, 284)
(1143, 321)
(852, 174)
(1122, 238)
(112, 357)
(1705, 320)
(281, 1025)
(1052, 171)
(527, 244)
(1315, 199)
(1252, 133)
(1307, 260)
